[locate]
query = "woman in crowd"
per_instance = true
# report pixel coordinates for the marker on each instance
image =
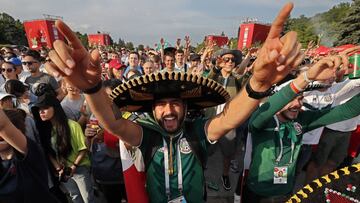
(23, 175)
(64, 142)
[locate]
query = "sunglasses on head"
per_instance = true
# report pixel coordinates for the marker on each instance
(227, 59)
(25, 63)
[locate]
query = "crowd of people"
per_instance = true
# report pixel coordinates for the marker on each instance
(62, 113)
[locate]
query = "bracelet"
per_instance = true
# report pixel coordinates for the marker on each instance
(94, 89)
(258, 95)
(75, 165)
(295, 88)
(306, 77)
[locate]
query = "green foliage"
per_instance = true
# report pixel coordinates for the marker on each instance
(323, 26)
(83, 38)
(11, 31)
(349, 27)
(140, 47)
(129, 45)
(121, 43)
(233, 43)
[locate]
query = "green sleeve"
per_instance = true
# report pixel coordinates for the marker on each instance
(315, 119)
(77, 136)
(275, 103)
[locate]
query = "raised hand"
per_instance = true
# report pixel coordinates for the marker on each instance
(345, 54)
(278, 55)
(326, 68)
(162, 42)
(178, 43)
(187, 42)
(73, 61)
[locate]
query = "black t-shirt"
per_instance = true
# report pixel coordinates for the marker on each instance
(24, 178)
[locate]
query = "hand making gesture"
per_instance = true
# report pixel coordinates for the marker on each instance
(279, 55)
(65, 57)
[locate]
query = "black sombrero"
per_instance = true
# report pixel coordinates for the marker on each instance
(138, 94)
(342, 186)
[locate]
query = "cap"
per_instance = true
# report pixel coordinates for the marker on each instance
(4, 94)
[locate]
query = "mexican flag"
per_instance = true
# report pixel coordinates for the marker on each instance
(134, 174)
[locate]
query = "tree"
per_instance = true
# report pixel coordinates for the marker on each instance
(140, 47)
(121, 43)
(11, 31)
(83, 38)
(129, 45)
(349, 27)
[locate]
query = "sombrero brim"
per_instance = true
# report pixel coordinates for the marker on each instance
(139, 94)
(332, 186)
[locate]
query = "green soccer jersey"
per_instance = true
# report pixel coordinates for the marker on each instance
(192, 172)
(266, 140)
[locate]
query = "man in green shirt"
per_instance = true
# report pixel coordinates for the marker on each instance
(276, 130)
(173, 171)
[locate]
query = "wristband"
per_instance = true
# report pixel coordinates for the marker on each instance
(306, 77)
(258, 95)
(295, 88)
(94, 89)
(75, 165)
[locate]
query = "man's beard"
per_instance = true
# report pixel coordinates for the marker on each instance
(178, 120)
(283, 113)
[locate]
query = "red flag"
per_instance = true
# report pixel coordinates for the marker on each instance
(134, 174)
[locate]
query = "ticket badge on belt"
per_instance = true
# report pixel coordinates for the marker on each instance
(280, 174)
(180, 199)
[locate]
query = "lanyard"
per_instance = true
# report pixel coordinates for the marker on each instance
(279, 157)
(170, 171)
(226, 80)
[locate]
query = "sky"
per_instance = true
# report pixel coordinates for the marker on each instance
(146, 21)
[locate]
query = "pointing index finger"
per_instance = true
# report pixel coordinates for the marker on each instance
(68, 34)
(278, 23)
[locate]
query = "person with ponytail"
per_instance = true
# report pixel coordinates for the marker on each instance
(64, 142)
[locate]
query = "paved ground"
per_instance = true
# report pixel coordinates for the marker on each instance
(213, 173)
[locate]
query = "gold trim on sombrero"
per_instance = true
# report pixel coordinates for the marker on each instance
(304, 193)
(200, 92)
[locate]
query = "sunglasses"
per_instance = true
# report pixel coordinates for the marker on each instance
(9, 70)
(26, 63)
(227, 59)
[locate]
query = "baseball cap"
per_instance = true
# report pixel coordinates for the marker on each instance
(4, 94)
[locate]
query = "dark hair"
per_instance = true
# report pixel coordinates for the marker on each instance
(15, 87)
(59, 122)
(134, 52)
(112, 83)
(17, 118)
(170, 54)
(156, 59)
(34, 54)
(43, 88)
(179, 51)
(6, 62)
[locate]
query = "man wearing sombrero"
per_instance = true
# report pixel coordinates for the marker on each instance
(168, 96)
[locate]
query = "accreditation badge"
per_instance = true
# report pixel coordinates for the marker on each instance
(180, 199)
(280, 174)
(298, 128)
